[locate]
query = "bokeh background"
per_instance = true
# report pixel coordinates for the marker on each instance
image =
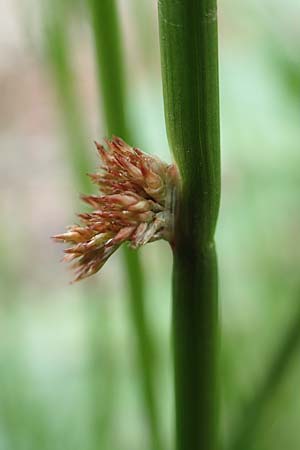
(69, 376)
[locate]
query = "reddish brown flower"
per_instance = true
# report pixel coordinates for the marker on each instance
(135, 204)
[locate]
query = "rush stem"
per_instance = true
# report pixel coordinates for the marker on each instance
(189, 59)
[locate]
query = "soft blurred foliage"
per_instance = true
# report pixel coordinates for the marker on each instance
(68, 372)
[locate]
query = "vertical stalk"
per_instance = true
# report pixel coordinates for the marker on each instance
(249, 419)
(189, 54)
(111, 73)
(57, 49)
(59, 57)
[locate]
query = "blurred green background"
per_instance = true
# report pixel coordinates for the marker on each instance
(69, 375)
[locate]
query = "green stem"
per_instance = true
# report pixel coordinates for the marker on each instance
(189, 53)
(58, 53)
(251, 417)
(111, 71)
(58, 56)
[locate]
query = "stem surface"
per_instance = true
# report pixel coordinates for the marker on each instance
(111, 72)
(189, 53)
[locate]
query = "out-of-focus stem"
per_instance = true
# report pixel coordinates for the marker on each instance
(189, 53)
(245, 434)
(109, 56)
(58, 57)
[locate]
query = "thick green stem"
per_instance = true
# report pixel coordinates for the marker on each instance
(112, 84)
(189, 52)
(195, 348)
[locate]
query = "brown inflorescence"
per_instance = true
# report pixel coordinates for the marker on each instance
(135, 203)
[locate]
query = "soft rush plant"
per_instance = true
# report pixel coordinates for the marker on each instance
(135, 204)
(136, 200)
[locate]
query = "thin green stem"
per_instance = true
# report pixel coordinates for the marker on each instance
(111, 72)
(189, 53)
(58, 56)
(250, 419)
(57, 48)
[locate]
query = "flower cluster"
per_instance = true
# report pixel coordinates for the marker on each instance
(135, 204)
